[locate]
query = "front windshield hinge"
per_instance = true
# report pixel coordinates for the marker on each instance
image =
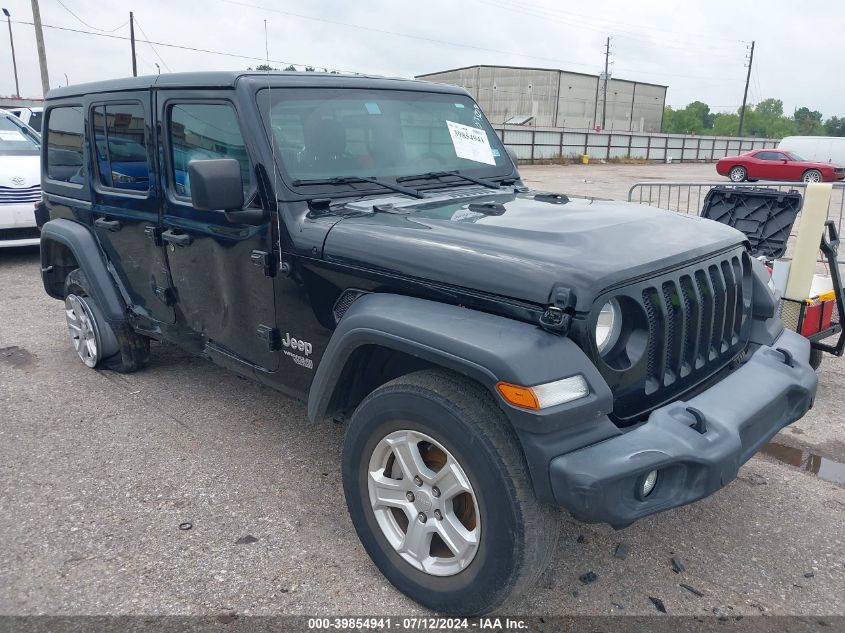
(320, 205)
(555, 320)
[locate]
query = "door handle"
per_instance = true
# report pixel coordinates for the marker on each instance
(108, 225)
(179, 239)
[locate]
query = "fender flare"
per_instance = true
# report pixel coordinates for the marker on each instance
(484, 347)
(82, 243)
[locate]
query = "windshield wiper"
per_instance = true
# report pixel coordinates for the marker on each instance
(440, 174)
(346, 180)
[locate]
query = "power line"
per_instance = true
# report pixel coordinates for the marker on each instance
(179, 46)
(591, 23)
(90, 26)
(406, 35)
(556, 61)
(141, 28)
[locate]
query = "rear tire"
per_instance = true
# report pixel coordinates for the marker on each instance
(812, 175)
(97, 342)
(452, 426)
(737, 174)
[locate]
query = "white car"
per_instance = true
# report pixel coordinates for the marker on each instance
(31, 116)
(20, 182)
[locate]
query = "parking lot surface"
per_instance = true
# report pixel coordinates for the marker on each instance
(99, 471)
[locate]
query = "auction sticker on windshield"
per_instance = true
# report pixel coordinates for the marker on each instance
(471, 143)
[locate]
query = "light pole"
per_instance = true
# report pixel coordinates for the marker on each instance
(14, 61)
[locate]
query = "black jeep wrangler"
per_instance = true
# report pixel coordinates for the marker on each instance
(367, 245)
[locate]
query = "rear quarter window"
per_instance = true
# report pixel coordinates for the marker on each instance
(65, 142)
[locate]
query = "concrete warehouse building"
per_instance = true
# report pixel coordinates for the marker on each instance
(558, 98)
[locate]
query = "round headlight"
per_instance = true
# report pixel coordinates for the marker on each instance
(608, 326)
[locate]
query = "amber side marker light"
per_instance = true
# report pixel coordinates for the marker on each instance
(545, 395)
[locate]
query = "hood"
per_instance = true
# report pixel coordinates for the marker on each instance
(533, 244)
(15, 167)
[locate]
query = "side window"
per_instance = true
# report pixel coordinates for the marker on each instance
(35, 121)
(201, 131)
(121, 148)
(65, 135)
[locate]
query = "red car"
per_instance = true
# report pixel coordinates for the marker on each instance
(771, 164)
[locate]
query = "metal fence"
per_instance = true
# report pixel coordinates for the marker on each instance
(549, 143)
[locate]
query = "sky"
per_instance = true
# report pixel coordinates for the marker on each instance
(698, 48)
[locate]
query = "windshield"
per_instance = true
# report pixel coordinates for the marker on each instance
(326, 133)
(16, 139)
(794, 156)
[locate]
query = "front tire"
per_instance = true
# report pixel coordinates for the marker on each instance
(812, 175)
(97, 342)
(439, 494)
(737, 174)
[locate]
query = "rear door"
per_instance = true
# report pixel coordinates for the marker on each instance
(219, 290)
(125, 199)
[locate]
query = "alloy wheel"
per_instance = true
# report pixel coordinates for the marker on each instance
(424, 503)
(82, 330)
(737, 174)
(812, 176)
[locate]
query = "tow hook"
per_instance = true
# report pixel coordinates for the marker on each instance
(787, 356)
(700, 423)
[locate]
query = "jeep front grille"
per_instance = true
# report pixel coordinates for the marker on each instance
(697, 320)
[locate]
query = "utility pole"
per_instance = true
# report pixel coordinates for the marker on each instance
(14, 61)
(745, 95)
(39, 42)
(606, 80)
(132, 39)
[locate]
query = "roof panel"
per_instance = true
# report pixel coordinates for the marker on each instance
(228, 79)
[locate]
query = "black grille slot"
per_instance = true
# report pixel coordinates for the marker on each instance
(26, 233)
(730, 336)
(674, 332)
(739, 314)
(705, 296)
(697, 322)
(719, 300)
(692, 325)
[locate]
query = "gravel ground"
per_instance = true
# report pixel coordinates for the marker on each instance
(98, 470)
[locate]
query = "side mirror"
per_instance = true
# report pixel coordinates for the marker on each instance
(216, 184)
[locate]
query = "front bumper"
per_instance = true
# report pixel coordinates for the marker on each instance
(741, 413)
(17, 225)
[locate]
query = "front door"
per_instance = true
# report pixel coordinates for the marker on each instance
(219, 291)
(126, 204)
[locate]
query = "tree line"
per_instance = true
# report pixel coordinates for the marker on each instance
(764, 119)
(308, 69)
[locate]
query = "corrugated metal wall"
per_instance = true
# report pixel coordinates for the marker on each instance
(559, 98)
